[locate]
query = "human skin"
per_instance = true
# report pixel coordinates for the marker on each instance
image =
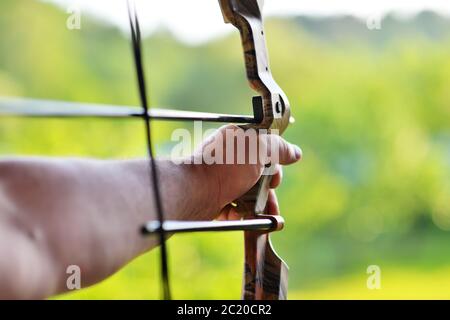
(58, 212)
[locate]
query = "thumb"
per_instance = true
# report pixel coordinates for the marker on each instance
(282, 152)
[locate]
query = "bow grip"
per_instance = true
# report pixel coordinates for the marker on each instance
(255, 200)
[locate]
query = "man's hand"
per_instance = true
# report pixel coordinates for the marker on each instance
(232, 180)
(55, 213)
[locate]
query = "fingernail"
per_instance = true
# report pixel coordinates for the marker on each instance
(298, 152)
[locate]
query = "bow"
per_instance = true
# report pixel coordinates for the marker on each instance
(265, 274)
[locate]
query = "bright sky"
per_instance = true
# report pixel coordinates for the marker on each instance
(199, 20)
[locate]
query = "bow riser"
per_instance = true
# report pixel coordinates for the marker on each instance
(265, 274)
(274, 106)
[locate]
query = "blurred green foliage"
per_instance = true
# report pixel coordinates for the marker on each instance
(372, 111)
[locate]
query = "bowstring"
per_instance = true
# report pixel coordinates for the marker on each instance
(153, 169)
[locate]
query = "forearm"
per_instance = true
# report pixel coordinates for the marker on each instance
(88, 213)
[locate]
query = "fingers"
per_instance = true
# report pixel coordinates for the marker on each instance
(291, 153)
(229, 213)
(283, 152)
(271, 145)
(234, 215)
(270, 149)
(223, 216)
(237, 144)
(272, 203)
(277, 177)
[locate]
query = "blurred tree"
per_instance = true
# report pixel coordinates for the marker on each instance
(372, 112)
